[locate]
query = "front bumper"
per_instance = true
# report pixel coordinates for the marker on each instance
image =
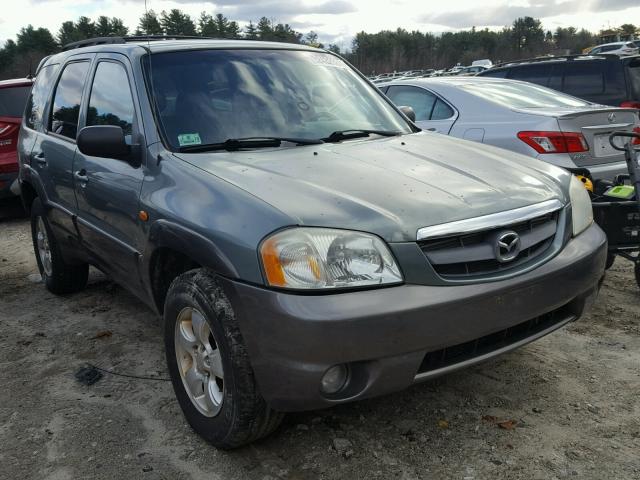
(385, 334)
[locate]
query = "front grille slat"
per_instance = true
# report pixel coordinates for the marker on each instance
(473, 255)
(477, 347)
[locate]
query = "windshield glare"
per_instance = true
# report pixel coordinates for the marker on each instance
(209, 96)
(523, 95)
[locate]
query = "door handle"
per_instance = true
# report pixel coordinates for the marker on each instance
(40, 159)
(81, 176)
(432, 129)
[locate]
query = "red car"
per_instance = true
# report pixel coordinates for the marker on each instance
(13, 98)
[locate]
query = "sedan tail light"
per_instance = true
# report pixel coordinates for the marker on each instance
(636, 141)
(555, 142)
(630, 104)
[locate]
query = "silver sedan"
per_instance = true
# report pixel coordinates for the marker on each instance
(519, 116)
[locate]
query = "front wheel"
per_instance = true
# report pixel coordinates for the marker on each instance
(209, 365)
(636, 271)
(58, 276)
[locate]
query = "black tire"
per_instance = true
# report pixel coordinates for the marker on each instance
(636, 271)
(63, 277)
(611, 257)
(244, 416)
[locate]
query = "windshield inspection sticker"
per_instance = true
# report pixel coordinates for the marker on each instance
(185, 139)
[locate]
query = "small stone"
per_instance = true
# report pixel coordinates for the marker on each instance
(316, 420)
(536, 410)
(341, 445)
(348, 454)
(34, 278)
(302, 427)
(147, 468)
(593, 408)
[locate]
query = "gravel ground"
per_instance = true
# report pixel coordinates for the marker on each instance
(564, 407)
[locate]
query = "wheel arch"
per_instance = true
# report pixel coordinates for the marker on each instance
(175, 249)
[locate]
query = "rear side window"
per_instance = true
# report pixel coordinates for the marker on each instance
(34, 112)
(441, 111)
(495, 73)
(634, 78)
(111, 102)
(419, 99)
(13, 100)
(608, 48)
(584, 79)
(532, 73)
(66, 100)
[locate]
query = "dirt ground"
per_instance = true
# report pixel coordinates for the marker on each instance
(569, 402)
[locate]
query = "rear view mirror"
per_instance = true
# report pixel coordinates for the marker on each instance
(106, 141)
(409, 113)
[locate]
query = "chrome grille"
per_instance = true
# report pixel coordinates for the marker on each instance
(473, 254)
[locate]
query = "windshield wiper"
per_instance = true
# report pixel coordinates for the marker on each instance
(233, 144)
(358, 133)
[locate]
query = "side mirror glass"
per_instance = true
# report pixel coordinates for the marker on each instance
(106, 141)
(408, 112)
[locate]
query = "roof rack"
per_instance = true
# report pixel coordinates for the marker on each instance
(130, 38)
(547, 58)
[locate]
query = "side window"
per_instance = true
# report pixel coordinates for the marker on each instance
(532, 73)
(495, 73)
(66, 100)
(38, 97)
(419, 99)
(441, 111)
(584, 78)
(111, 102)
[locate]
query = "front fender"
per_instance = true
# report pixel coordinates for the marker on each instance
(167, 234)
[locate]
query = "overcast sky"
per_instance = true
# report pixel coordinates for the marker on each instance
(336, 20)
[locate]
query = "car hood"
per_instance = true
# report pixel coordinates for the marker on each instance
(388, 186)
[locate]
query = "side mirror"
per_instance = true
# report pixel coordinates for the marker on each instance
(409, 113)
(106, 141)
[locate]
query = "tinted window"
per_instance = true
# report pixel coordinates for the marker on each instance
(522, 95)
(419, 99)
(38, 97)
(110, 102)
(441, 111)
(609, 48)
(66, 101)
(584, 79)
(13, 100)
(634, 77)
(532, 73)
(494, 73)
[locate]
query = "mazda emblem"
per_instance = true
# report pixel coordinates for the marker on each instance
(507, 246)
(611, 117)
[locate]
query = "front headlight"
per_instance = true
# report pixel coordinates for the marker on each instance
(581, 210)
(323, 258)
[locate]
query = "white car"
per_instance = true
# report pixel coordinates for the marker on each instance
(616, 48)
(519, 116)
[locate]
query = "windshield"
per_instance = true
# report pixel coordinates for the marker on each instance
(209, 96)
(523, 95)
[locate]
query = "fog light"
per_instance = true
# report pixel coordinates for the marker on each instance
(334, 379)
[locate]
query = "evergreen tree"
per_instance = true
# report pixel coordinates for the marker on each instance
(206, 26)
(149, 24)
(251, 32)
(177, 23)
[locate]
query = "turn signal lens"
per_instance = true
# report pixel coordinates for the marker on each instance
(555, 142)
